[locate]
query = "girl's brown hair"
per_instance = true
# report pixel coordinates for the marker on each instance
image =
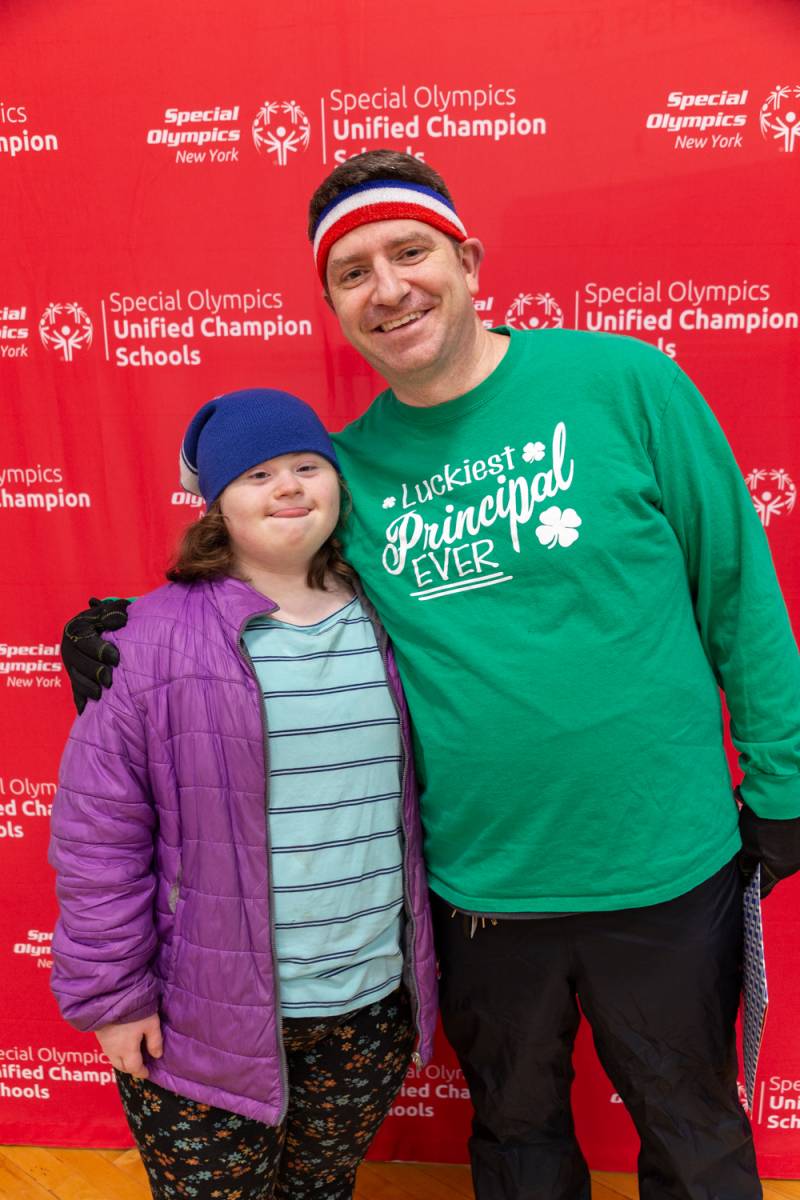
(205, 551)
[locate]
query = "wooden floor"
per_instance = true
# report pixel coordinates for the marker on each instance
(32, 1173)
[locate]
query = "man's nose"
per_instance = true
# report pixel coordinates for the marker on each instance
(390, 288)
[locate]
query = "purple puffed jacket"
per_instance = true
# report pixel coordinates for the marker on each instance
(159, 841)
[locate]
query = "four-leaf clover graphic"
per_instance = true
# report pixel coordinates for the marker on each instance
(389, 502)
(558, 528)
(533, 452)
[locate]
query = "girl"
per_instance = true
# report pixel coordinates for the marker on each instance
(244, 920)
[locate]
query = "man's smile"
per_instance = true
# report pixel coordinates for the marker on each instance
(399, 322)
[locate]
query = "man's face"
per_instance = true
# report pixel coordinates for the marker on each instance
(403, 294)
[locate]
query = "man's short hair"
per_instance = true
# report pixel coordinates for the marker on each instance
(375, 164)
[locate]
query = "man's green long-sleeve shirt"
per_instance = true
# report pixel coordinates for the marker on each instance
(569, 565)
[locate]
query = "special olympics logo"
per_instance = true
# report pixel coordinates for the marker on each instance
(65, 328)
(281, 127)
(773, 493)
(779, 118)
(540, 311)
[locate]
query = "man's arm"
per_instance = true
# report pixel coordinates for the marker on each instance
(89, 660)
(742, 621)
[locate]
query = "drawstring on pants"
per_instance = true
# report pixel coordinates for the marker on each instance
(471, 921)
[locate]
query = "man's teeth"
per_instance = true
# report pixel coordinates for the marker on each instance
(388, 325)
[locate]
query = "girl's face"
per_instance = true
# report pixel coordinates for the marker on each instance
(281, 511)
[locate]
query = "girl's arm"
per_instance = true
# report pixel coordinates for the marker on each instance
(103, 829)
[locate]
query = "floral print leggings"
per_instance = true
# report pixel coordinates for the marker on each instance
(344, 1072)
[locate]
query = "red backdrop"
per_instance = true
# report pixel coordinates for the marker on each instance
(629, 166)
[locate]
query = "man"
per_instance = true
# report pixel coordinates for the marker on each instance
(561, 546)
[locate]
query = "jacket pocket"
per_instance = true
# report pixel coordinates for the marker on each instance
(175, 890)
(175, 902)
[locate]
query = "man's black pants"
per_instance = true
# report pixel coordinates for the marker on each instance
(660, 988)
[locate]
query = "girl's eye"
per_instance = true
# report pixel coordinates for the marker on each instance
(259, 475)
(308, 467)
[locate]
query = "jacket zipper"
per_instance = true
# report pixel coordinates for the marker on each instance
(412, 940)
(284, 1070)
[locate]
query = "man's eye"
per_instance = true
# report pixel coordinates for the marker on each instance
(412, 252)
(352, 276)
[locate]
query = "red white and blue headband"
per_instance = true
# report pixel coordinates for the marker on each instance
(382, 200)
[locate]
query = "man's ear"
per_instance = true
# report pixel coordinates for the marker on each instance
(471, 254)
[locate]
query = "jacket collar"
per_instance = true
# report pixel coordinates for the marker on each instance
(237, 603)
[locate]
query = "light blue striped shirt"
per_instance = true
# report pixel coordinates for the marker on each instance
(334, 810)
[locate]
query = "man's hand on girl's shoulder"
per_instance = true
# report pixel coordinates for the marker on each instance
(89, 659)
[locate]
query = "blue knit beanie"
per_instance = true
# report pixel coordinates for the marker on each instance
(236, 431)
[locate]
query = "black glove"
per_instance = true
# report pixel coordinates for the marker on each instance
(773, 843)
(89, 659)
